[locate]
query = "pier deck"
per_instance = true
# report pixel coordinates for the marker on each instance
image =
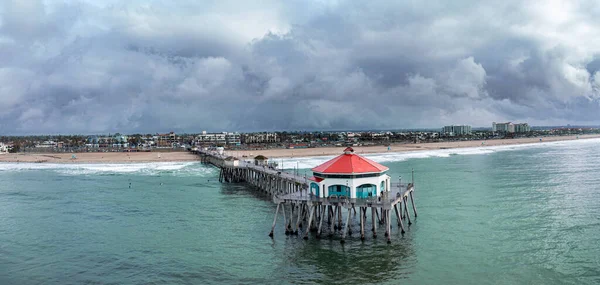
(293, 191)
(387, 200)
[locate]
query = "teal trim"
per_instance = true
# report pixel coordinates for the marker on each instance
(366, 191)
(339, 190)
(314, 188)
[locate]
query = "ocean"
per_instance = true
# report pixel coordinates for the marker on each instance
(527, 214)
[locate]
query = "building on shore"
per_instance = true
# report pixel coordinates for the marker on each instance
(47, 144)
(3, 148)
(457, 130)
(349, 175)
(166, 140)
(509, 127)
(223, 138)
(211, 138)
(233, 138)
(260, 138)
(522, 128)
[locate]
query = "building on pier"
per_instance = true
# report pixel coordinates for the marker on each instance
(349, 175)
(231, 161)
(342, 189)
(261, 160)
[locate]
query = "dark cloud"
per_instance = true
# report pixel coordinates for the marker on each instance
(107, 66)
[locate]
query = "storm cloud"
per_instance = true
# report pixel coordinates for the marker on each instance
(155, 66)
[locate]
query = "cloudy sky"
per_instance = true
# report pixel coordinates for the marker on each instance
(94, 66)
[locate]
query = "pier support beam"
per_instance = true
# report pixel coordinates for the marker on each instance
(299, 214)
(323, 210)
(406, 210)
(362, 223)
(400, 224)
(312, 212)
(339, 217)
(373, 211)
(285, 225)
(346, 225)
(274, 220)
(412, 201)
(332, 224)
(388, 226)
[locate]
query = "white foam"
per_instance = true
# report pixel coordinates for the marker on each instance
(153, 168)
(310, 162)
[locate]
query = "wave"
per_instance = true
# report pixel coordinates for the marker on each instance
(310, 162)
(152, 168)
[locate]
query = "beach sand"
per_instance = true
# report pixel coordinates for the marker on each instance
(100, 157)
(133, 157)
(307, 152)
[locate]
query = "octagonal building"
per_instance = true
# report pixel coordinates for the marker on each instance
(349, 175)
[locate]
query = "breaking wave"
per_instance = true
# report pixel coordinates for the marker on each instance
(152, 168)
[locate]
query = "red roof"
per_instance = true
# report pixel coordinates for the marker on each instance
(350, 163)
(316, 179)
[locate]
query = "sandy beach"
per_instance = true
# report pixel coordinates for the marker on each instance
(138, 157)
(99, 157)
(306, 152)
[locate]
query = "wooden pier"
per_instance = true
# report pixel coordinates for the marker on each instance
(303, 212)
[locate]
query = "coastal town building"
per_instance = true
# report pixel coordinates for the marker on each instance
(510, 127)
(457, 130)
(349, 175)
(47, 144)
(522, 128)
(503, 127)
(166, 140)
(211, 138)
(260, 138)
(3, 148)
(233, 138)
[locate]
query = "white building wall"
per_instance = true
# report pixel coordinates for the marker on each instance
(353, 184)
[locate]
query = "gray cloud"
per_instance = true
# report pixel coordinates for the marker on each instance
(103, 66)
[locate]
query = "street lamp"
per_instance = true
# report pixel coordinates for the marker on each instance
(400, 181)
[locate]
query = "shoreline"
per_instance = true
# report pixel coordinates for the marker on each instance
(149, 157)
(403, 148)
(99, 157)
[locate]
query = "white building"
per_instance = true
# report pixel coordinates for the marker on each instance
(510, 127)
(233, 138)
(457, 130)
(349, 175)
(3, 148)
(261, 160)
(232, 161)
(47, 144)
(211, 138)
(522, 128)
(260, 138)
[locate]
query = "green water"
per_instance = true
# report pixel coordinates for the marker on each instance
(528, 215)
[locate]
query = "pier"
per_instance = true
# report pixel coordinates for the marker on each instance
(307, 205)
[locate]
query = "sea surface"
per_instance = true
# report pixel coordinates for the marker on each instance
(525, 214)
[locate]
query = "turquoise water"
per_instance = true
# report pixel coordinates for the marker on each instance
(504, 215)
